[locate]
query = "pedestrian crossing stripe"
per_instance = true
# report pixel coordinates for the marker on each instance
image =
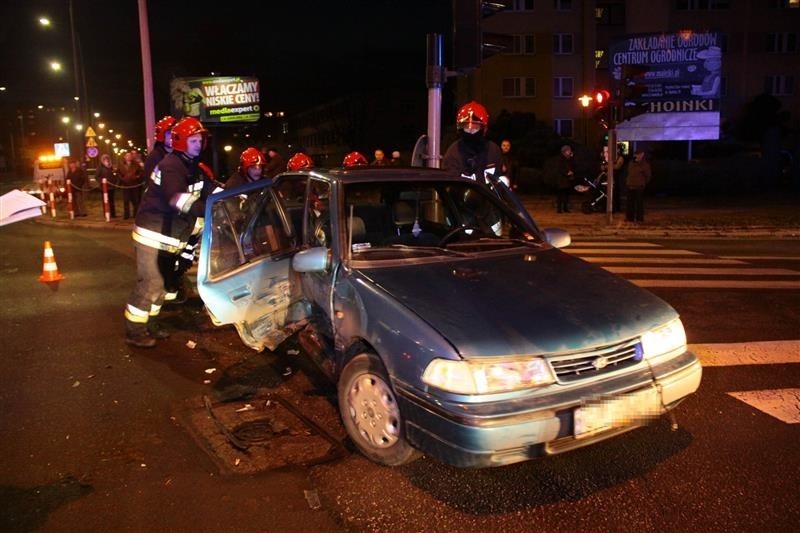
(716, 283)
(663, 260)
(680, 266)
(631, 251)
(694, 271)
(618, 244)
(748, 353)
(783, 404)
(763, 257)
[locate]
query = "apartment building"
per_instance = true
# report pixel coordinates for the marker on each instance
(559, 51)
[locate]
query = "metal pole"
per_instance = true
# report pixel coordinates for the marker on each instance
(76, 68)
(434, 79)
(147, 75)
(612, 157)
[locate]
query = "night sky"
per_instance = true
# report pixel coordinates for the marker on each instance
(304, 53)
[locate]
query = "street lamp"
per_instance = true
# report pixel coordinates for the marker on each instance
(585, 101)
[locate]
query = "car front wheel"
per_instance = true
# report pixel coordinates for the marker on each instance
(370, 412)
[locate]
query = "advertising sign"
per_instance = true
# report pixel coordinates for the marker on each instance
(670, 85)
(216, 100)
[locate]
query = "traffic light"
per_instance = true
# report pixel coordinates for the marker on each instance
(601, 98)
(470, 43)
(601, 103)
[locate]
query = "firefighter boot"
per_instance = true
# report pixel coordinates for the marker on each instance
(137, 335)
(156, 329)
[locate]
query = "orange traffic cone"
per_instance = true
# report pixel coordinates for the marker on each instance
(49, 268)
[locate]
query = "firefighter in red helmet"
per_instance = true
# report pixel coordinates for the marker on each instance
(299, 161)
(167, 218)
(472, 153)
(251, 168)
(354, 159)
(162, 145)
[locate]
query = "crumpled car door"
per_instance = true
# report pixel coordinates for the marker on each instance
(244, 273)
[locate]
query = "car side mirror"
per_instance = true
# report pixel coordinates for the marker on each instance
(311, 260)
(557, 237)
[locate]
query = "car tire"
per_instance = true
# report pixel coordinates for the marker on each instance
(369, 411)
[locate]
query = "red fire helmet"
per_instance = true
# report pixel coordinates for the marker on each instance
(299, 161)
(354, 159)
(185, 128)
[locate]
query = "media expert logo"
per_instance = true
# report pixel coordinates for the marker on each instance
(215, 100)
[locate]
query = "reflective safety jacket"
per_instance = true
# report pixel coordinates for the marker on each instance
(172, 203)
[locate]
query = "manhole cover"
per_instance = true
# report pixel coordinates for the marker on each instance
(264, 432)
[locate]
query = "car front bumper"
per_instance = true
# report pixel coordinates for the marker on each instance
(483, 435)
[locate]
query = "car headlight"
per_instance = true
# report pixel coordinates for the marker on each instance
(664, 339)
(487, 377)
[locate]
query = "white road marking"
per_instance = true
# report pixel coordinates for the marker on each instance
(664, 260)
(610, 251)
(783, 404)
(703, 271)
(716, 283)
(618, 244)
(763, 257)
(748, 353)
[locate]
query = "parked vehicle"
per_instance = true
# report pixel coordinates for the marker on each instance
(451, 324)
(49, 171)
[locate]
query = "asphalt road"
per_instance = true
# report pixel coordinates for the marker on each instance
(98, 436)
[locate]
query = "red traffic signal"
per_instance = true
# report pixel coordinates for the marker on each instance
(601, 97)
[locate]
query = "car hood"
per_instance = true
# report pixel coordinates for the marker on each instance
(526, 303)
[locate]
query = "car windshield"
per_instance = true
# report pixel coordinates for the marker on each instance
(396, 219)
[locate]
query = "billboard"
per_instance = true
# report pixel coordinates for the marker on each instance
(216, 100)
(669, 84)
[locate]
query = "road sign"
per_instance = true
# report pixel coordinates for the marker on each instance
(91, 142)
(90, 132)
(91, 151)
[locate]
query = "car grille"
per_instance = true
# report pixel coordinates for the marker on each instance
(602, 360)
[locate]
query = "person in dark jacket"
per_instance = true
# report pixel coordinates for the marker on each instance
(80, 186)
(509, 164)
(472, 153)
(638, 176)
(275, 164)
(565, 179)
(251, 168)
(167, 218)
(162, 145)
(107, 172)
(132, 182)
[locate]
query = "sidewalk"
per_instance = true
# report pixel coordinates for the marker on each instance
(763, 216)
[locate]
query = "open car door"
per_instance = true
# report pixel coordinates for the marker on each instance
(244, 273)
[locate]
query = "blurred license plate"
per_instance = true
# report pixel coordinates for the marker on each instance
(616, 412)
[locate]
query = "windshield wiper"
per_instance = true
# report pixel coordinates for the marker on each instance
(497, 240)
(430, 250)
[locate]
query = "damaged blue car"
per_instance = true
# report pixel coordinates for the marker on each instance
(452, 325)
